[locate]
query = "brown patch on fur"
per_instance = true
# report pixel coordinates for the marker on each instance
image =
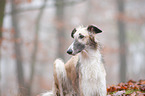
(77, 74)
(70, 67)
(92, 43)
(84, 54)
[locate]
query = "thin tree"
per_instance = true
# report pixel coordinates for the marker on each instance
(35, 50)
(122, 40)
(60, 28)
(17, 49)
(2, 7)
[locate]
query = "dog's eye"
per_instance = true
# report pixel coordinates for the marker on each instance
(81, 36)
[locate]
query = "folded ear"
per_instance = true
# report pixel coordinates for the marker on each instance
(93, 29)
(73, 32)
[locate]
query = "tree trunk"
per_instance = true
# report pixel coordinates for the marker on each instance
(122, 40)
(60, 28)
(17, 49)
(34, 53)
(2, 7)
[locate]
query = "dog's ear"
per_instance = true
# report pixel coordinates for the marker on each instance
(93, 29)
(73, 32)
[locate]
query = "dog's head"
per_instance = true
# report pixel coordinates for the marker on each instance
(84, 37)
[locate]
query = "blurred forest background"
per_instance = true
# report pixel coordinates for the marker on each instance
(33, 33)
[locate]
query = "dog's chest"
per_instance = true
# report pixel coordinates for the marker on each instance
(91, 76)
(90, 70)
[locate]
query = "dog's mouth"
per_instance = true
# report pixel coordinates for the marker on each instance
(74, 53)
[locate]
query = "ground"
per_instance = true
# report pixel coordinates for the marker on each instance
(131, 88)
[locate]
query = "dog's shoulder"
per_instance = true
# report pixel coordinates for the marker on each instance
(70, 67)
(72, 71)
(72, 62)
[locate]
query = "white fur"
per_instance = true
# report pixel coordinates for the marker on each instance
(93, 76)
(60, 68)
(61, 74)
(50, 93)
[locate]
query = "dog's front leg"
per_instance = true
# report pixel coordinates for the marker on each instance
(59, 78)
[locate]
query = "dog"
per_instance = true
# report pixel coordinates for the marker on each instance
(84, 74)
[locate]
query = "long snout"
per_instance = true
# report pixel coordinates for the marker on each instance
(70, 49)
(75, 48)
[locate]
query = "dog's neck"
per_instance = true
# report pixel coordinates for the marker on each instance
(89, 54)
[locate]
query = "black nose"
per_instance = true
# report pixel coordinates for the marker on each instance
(69, 51)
